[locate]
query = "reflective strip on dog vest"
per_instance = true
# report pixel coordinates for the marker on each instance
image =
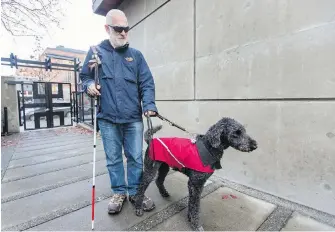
(170, 152)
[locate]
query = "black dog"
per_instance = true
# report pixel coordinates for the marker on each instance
(225, 133)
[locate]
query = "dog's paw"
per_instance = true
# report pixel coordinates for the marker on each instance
(139, 212)
(164, 194)
(200, 229)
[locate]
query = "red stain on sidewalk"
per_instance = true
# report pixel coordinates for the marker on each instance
(226, 196)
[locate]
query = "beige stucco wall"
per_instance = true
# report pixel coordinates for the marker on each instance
(269, 64)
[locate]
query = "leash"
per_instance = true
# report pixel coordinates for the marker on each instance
(96, 80)
(151, 133)
(149, 122)
(172, 123)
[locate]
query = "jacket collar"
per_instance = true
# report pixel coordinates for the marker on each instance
(209, 155)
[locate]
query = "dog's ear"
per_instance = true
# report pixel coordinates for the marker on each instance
(214, 138)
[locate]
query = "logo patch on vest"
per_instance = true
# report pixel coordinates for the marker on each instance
(129, 59)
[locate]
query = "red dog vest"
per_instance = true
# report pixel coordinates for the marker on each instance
(177, 153)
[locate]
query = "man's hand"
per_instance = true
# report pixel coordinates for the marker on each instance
(92, 63)
(91, 90)
(150, 113)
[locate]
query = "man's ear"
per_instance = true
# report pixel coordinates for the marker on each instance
(107, 29)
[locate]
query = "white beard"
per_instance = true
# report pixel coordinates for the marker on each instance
(116, 42)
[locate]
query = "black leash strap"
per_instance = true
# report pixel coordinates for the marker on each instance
(172, 123)
(166, 120)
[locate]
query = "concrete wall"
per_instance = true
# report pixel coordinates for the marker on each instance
(269, 64)
(9, 100)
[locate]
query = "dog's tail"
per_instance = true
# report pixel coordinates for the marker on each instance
(154, 130)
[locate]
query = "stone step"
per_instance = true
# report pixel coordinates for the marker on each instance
(52, 166)
(54, 143)
(25, 187)
(223, 210)
(44, 151)
(80, 220)
(52, 157)
(28, 208)
(49, 137)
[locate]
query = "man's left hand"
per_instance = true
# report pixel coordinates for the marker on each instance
(150, 113)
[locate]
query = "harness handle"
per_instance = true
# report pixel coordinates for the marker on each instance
(151, 133)
(150, 129)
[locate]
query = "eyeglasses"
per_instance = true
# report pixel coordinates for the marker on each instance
(119, 29)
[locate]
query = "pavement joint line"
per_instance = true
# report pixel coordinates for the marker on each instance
(32, 143)
(51, 145)
(54, 214)
(43, 136)
(67, 149)
(47, 188)
(25, 157)
(276, 220)
(171, 210)
(318, 215)
(41, 140)
(50, 160)
(54, 170)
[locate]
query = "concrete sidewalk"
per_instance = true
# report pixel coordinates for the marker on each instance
(47, 182)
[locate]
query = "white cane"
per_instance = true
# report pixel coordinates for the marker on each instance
(94, 152)
(96, 80)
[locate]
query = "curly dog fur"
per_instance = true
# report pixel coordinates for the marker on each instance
(227, 132)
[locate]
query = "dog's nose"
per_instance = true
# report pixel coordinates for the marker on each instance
(253, 144)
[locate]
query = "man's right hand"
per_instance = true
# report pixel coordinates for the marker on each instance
(93, 91)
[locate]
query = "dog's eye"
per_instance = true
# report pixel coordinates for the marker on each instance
(237, 133)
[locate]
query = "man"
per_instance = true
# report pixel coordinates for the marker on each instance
(125, 82)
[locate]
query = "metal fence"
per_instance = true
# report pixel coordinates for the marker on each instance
(85, 108)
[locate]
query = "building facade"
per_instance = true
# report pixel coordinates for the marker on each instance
(268, 64)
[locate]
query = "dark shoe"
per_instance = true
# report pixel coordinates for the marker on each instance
(148, 204)
(116, 203)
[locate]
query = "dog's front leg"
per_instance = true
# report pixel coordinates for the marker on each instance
(195, 190)
(149, 174)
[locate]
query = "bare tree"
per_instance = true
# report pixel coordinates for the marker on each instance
(31, 17)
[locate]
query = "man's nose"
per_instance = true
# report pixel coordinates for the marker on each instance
(123, 33)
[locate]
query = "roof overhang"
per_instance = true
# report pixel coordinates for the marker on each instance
(101, 7)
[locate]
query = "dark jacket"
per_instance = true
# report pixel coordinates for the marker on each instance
(127, 86)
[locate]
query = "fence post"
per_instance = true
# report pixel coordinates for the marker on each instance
(5, 118)
(19, 107)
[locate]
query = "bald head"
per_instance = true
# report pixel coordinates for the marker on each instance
(117, 27)
(116, 17)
